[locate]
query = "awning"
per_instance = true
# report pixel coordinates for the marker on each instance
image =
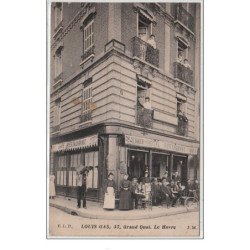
(145, 12)
(86, 142)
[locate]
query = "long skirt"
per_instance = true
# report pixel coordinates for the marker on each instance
(52, 190)
(109, 199)
(125, 200)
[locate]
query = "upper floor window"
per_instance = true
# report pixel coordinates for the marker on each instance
(58, 62)
(57, 113)
(87, 105)
(88, 36)
(58, 14)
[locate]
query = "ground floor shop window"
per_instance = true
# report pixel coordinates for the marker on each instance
(137, 163)
(160, 164)
(61, 172)
(91, 161)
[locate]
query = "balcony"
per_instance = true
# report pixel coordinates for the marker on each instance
(58, 78)
(146, 52)
(183, 73)
(86, 116)
(144, 116)
(182, 128)
(58, 29)
(184, 17)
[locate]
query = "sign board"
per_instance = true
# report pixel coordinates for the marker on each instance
(158, 144)
(85, 142)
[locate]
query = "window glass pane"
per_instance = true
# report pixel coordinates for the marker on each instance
(95, 184)
(64, 177)
(61, 177)
(74, 178)
(58, 177)
(70, 178)
(90, 179)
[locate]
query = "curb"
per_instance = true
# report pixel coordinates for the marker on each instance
(119, 217)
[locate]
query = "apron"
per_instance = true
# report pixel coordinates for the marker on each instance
(109, 199)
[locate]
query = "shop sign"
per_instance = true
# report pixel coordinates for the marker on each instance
(76, 144)
(163, 145)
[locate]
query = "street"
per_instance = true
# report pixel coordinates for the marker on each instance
(63, 224)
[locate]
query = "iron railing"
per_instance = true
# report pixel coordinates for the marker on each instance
(183, 73)
(145, 51)
(182, 128)
(144, 116)
(184, 17)
(88, 53)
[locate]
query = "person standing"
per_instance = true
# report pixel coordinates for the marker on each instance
(81, 179)
(52, 190)
(156, 192)
(125, 194)
(109, 189)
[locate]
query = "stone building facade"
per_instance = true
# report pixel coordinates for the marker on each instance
(124, 91)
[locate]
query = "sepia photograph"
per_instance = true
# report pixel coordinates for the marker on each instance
(125, 119)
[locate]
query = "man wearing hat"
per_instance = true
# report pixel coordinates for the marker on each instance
(81, 180)
(156, 192)
(135, 191)
(166, 176)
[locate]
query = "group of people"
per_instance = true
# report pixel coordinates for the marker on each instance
(160, 190)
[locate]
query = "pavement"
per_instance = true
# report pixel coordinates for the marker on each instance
(95, 210)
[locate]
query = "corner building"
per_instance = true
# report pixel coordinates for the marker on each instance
(103, 67)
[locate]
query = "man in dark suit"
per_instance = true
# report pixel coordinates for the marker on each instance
(81, 180)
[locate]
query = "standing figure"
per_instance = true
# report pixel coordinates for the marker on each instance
(166, 192)
(81, 179)
(156, 192)
(135, 192)
(151, 41)
(166, 176)
(109, 189)
(125, 194)
(146, 185)
(52, 190)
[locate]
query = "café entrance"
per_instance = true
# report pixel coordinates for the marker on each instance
(138, 162)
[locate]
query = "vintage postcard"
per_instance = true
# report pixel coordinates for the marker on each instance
(125, 116)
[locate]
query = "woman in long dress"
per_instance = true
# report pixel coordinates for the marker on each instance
(52, 190)
(125, 194)
(109, 189)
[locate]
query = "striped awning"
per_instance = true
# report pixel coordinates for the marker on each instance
(86, 142)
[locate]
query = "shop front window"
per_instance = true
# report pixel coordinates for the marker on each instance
(137, 163)
(61, 172)
(91, 161)
(160, 164)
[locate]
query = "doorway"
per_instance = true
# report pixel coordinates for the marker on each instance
(137, 163)
(180, 165)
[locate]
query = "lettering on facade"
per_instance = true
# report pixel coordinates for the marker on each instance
(164, 145)
(76, 144)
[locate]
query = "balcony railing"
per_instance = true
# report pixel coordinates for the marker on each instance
(86, 116)
(58, 27)
(183, 73)
(88, 53)
(144, 51)
(144, 116)
(182, 128)
(184, 17)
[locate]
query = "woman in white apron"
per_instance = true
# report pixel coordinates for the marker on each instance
(109, 189)
(52, 191)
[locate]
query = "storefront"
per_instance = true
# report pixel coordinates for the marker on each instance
(159, 156)
(73, 154)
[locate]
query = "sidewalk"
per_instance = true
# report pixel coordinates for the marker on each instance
(95, 211)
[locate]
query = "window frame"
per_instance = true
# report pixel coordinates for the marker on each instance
(89, 36)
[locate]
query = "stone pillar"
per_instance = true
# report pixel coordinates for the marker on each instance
(114, 21)
(167, 48)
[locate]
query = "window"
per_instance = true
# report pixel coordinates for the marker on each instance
(58, 14)
(87, 104)
(144, 28)
(88, 37)
(57, 113)
(58, 62)
(91, 161)
(61, 172)
(75, 161)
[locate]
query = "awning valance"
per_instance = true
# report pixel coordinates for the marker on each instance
(86, 142)
(145, 12)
